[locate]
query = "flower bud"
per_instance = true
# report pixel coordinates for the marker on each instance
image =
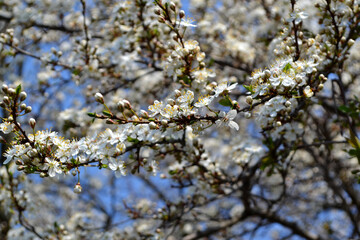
(164, 122)
(177, 93)
(28, 109)
(144, 114)
(43, 175)
(172, 6)
(153, 125)
(33, 152)
(320, 87)
(5, 88)
(74, 172)
(247, 115)
(109, 121)
(22, 96)
(32, 123)
(287, 103)
(351, 42)
(157, 11)
(267, 74)
(287, 50)
(77, 188)
(11, 92)
(182, 14)
(278, 124)
(6, 100)
(249, 100)
(10, 119)
(161, 20)
(343, 39)
(23, 106)
(120, 105)
(99, 98)
(127, 104)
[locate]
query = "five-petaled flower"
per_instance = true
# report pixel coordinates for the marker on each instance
(226, 119)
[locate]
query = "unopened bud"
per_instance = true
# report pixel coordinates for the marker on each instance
(153, 125)
(43, 175)
(99, 98)
(127, 104)
(120, 105)
(247, 115)
(177, 93)
(278, 123)
(181, 14)
(74, 172)
(28, 109)
(249, 100)
(351, 42)
(11, 92)
(301, 35)
(320, 87)
(161, 20)
(287, 50)
(287, 103)
(5, 88)
(23, 106)
(22, 96)
(33, 152)
(77, 188)
(172, 6)
(109, 121)
(32, 123)
(343, 39)
(157, 11)
(10, 119)
(164, 122)
(144, 114)
(18, 162)
(6, 100)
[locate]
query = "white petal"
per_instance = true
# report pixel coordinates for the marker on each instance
(232, 114)
(234, 125)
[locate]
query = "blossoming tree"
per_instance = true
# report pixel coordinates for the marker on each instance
(133, 120)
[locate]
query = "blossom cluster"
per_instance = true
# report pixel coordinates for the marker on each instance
(47, 153)
(283, 83)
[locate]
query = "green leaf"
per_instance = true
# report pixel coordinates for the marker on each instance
(90, 114)
(133, 140)
(287, 67)
(225, 102)
(107, 113)
(76, 72)
(249, 88)
(353, 140)
(103, 166)
(344, 109)
(18, 89)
